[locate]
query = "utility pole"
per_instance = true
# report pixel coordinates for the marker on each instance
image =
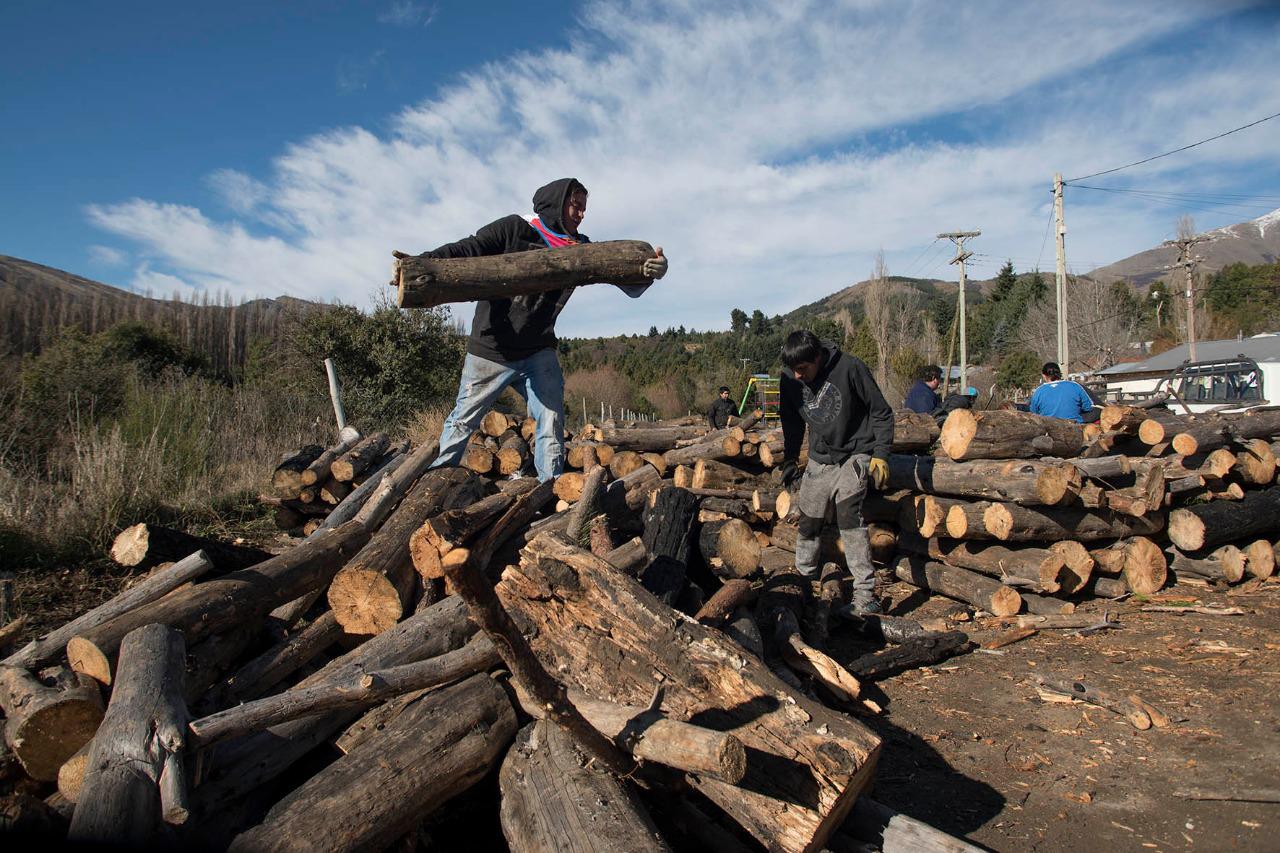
(1060, 226)
(958, 237)
(1188, 262)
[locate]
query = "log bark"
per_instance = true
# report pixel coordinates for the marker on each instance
(710, 474)
(376, 587)
(914, 432)
(149, 589)
(318, 470)
(590, 504)
(224, 603)
(277, 663)
(1024, 481)
(1014, 523)
(630, 557)
(1194, 528)
(437, 748)
(1002, 434)
(1139, 560)
(360, 457)
(924, 650)
(1201, 437)
(513, 454)
(1041, 567)
(734, 543)
(710, 446)
(654, 439)
(149, 545)
(427, 282)
(396, 485)
(728, 598)
(239, 767)
(352, 693)
(135, 776)
(47, 723)
(670, 522)
(554, 799)
(609, 636)
(960, 584)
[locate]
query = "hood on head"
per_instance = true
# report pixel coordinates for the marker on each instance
(548, 202)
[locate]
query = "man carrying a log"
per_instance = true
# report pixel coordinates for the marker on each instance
(513, 341)
(850, 436)
(721, 410)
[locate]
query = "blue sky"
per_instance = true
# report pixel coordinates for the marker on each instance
(772, 149)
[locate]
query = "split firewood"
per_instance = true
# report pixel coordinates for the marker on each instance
(440, 745)
(153, 587)
(1009, 637)
(46, 722)
(149, 545)
(136, 777)
(879, 827)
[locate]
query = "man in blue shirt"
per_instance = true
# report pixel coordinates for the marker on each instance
(1059, 398)
(923, 396)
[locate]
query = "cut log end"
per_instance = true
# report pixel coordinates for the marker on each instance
(130, 547)
(957, 432)
(1006, 601)
(364, 601)
(84, 656)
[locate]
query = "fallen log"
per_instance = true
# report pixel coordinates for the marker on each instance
(223, 603)
(1194, 528)
(1002, 434)
(1045, 569)
(1139, 560)
(280, 661)
(375, 589)
(553, 798)
(913, 432)
(47, 723)
(359, 457)
(1226, 563)
(803, 770)
(960, 584)
(149, 545)
(923, 650)
(428, 282)
(434, 750)
(286, 480)
(149, 589)
(135, 776)
(1014, 523)
(1023, 481)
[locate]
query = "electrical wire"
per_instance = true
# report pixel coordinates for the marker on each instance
(1174, 151)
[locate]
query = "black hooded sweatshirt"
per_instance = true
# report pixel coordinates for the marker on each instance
(506, 330)
(844, 409)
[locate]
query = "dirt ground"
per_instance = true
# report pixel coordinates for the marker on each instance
(971, 748)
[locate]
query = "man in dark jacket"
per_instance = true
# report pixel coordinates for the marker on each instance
(850, 435)
(923, 396)
(513, 341)
(720, 411)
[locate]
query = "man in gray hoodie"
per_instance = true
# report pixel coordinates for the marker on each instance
(850, 435)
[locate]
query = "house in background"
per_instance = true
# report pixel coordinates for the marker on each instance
(1234, 373)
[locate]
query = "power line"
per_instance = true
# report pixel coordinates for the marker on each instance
(1176, 150)
(1045, 241)
(1182, 194)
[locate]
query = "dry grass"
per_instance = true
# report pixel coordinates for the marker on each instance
(425, 425)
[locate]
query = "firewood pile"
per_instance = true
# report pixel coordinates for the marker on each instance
(627, 650)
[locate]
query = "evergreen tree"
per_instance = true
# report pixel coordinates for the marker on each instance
(1006, 281)
(759, 323)
(738, 321)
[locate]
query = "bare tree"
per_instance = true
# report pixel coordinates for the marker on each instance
(1102, 328)
(876, 301)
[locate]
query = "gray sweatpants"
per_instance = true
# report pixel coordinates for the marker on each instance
(844, 485)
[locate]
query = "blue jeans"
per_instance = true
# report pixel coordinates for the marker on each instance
(538, 379)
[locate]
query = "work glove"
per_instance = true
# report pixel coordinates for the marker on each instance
(655, 267)
(789, 473)
(879, 473)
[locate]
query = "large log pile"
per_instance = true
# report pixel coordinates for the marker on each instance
(422, 632)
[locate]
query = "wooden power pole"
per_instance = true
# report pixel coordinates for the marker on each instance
(958, 237)
(1060, 226)
(1188, 262)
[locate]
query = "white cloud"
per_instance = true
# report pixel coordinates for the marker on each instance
(404, 13)
(107, 256)
(770, 150)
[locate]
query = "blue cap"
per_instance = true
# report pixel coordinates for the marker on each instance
(971, 391)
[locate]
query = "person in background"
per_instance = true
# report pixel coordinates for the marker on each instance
(1060, 398)
(850, 435)
(513, 341)
(720, 411)
(923, 396)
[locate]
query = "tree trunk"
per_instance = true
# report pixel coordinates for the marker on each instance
(553, 798)
(513, 454)
(360, 457)
(599, 629)
(709, 474)
(437, 748)
(1226, 563)
(135, 776)
(268, 669)
(1194, 528)
(1001, 434)
(45, 724)
(1139, 560)
(318, 470)
(286, 480)
(428, 282)
(149, 589)
(376, 587)
(913, 432)
(1041, 567)
(734, 543)
(232, 601)
(961, 584)
(1023, 481)
(1014, 523)
(148, 545)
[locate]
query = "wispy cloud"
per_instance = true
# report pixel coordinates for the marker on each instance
(771, 150)
(107, 256)
(353, 73)
(405, 13)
